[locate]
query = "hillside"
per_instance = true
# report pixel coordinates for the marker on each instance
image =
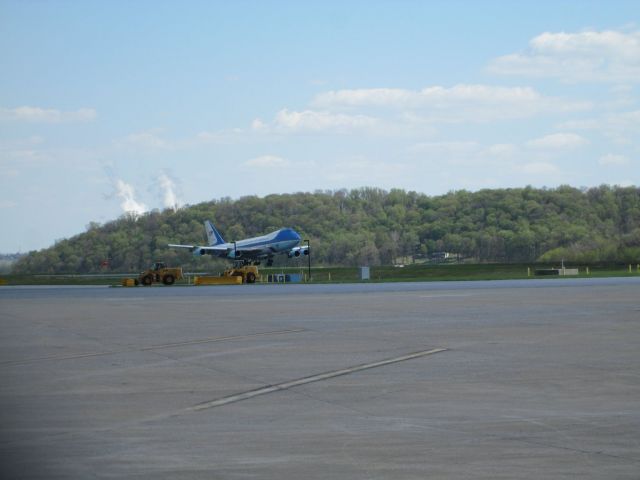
(372, 226)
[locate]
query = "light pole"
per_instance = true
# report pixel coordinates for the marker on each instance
(309, 257)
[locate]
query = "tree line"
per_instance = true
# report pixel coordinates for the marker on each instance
(370, 226)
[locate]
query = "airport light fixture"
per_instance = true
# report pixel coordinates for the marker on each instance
(309, 257)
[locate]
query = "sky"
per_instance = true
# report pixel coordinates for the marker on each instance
(115, 107)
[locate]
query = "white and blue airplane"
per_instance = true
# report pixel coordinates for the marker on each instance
(249, 250)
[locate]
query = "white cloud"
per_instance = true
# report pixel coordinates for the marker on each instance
(8, 172)
(400, 112)
(434, 96)
(605, 43)
(583, 124)
(465, 153)
(27, 156)
(539, 168)
(621, 97)
(622, 128)
(7, 204)
(168, 188)
(360, 170)
(129, 204)
(35, 140)
(502, 163)
(149, 140)
(471, 103)
(222, 137)
(558, 141)
(472, 150)
(447, 148)
(43, 115)
(502, 150)
(590, 56)
(258, 125)
(629, 121)
(267, 161)
(287, 121)
(612, 159)
(378, 97)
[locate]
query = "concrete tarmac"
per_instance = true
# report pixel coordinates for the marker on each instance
(472, 380)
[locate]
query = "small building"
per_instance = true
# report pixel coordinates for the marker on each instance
(443, 256)
(365, 273)
(557, 271)
(284, 278)
(569, 271)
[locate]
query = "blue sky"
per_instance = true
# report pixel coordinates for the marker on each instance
(109, 107)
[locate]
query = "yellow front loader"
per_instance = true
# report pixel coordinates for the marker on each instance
(159, 273)
(249, 273)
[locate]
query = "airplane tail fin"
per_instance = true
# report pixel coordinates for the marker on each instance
(212, 234)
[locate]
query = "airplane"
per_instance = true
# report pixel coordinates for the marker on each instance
(249, 250)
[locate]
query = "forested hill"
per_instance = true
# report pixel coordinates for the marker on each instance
(370, 226)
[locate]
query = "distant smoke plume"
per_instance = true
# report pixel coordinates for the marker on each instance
(129, 204)
(168, 187)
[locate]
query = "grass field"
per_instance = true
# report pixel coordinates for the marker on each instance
(409, 273)
(422, 273)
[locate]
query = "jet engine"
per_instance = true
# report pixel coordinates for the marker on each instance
(297, 251)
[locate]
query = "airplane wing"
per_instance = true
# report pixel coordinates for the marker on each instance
(251, 249)
(215, 249)
(255, 252)
(212, 250)
(190, 247)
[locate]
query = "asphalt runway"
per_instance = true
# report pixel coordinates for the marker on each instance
(514, 379)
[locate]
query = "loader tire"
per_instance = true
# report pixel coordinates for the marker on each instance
(251, 277)
(168, 279)
(147, 280)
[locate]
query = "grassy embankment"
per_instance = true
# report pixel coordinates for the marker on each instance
(409, 273)
(452, 272)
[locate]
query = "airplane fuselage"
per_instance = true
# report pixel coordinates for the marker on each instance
(265, 245)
